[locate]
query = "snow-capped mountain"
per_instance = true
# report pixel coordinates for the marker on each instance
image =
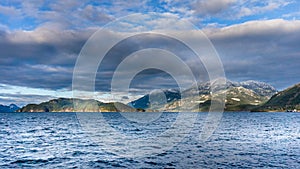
(263, 89)
(238, 93)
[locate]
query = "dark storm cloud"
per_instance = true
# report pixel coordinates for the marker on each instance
(45, 58)
(151, 78)
(42, 58)
(23, 75)
(261, 50)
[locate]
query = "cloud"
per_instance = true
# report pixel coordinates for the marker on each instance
(76, 14)
(22, 100)
(9, 11)
(235, 9)
(212, 7)
(262, 27)
(67, 14)
(23, 95)
(42, 58)
(262, 50)
(94, 14)
(262, 7)
(44, 55)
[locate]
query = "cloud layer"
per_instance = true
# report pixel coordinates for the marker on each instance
(262, 50)
(40, 41)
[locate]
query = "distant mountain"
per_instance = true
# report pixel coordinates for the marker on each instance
(240, 96)
(260, 88)
(76, 105)
(288, 99)
(144, 102)
(8, 109)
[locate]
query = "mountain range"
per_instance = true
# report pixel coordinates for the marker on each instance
(76, 105)
(240, 96)
(7, 109)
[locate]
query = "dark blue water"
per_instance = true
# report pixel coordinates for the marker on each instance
(242, 140)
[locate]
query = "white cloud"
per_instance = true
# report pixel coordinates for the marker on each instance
(9, 10)
(235, 9)
(50, 68)
(4, 27)
(252, 8)
(262, 27)
(48, 33)
(291, 15)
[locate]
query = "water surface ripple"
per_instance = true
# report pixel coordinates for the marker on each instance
(242, 140)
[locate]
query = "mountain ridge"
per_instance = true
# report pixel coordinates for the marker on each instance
(288, 99)
(76, 105)
(241, 96)
(7, 109)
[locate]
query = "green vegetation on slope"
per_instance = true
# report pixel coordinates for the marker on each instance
(288, 99)
(76, 105)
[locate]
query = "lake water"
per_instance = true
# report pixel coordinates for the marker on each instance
(242, 140)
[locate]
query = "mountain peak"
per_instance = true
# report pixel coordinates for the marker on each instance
(250, 92)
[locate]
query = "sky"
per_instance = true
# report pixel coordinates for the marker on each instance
(40, 41)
